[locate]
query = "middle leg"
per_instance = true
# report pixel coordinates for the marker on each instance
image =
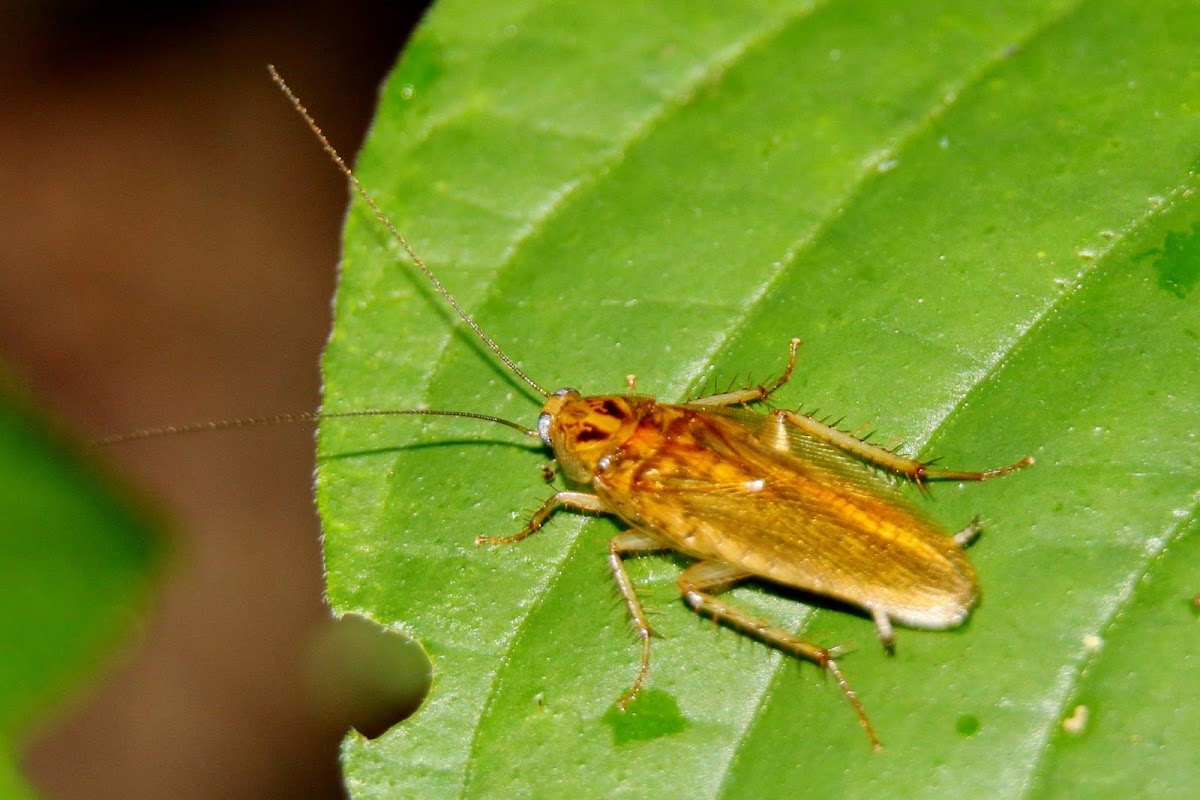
(630, 543)
(754, 394)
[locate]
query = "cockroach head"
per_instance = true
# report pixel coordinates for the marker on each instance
(583, 431)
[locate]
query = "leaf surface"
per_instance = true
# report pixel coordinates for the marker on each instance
(981, 218)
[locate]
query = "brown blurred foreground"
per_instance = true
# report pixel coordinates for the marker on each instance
(170, 238)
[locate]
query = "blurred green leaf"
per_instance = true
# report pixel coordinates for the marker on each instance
(971, 212)
(75, 564)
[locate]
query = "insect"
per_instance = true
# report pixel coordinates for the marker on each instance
(778, 497)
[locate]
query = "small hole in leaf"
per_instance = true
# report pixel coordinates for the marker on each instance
(367, 676)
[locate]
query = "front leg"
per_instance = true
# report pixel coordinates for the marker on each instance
(580, 501)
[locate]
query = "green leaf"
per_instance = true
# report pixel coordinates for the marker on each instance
(981, 219)
(75, 564)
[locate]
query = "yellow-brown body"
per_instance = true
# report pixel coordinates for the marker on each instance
(729, 485)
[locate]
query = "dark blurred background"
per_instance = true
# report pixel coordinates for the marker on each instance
(170, 234)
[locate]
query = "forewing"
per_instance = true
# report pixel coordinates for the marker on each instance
(807, 516)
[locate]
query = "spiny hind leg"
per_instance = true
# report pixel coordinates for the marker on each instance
(580, 501)
(700, 583)
(919, 472)
(754, 394)
(633, 543)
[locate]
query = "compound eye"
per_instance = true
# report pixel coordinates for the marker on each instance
(543, 428)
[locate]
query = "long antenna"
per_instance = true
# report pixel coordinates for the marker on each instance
(370, 201)
(299, 416)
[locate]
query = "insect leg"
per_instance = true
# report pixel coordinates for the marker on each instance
(968, 534)
(701, 581)
(883, 627)
(755, 393)
(621, 545)
(917, 471)
(580, 501)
